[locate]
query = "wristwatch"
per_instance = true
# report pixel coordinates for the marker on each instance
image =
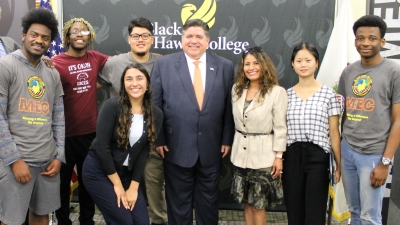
(386, 161)
(278, 156)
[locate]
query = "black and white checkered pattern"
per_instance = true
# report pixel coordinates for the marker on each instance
(308, 120)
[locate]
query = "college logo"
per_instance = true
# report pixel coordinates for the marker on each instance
(361, 85)
(36, 87)
(206, 12)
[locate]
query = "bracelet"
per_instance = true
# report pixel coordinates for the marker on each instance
(278, 156)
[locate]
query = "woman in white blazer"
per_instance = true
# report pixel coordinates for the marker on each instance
(259, 107)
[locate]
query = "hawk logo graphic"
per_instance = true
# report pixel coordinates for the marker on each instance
(310, 3)
(125, 31)
(244, 2)
(278, 2)
(206, 12)
(292, 38)
(261, 37)
(83, 1)
(231, 34)
(102, 33)
(280, 68)
(322, 37)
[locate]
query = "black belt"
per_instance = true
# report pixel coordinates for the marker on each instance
(254, 134)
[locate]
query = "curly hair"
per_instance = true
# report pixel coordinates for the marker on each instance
(268, 75)
(67, 27)
(125, 117)
(40, 16)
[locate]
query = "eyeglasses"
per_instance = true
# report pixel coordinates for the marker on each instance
(253, 49)
(76, 32)
(144, 36)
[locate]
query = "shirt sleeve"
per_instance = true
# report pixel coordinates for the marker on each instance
(101, 58)
(279, 120)
(396, 87)
(156, 85)
(341, 86)
(8, 149)
(333, 104)
(104, 74)
(58, 126)
(106, 123)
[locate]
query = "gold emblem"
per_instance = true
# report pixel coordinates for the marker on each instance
(206, 12)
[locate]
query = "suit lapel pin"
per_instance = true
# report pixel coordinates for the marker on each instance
(211, 68)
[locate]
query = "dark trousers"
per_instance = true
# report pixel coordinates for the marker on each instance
(305, 183)
(102, 191)
(76, 149)
(185, 187)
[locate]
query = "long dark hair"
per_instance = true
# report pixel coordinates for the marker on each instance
(125, 117)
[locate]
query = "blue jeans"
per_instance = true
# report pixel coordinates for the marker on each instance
(363, 200)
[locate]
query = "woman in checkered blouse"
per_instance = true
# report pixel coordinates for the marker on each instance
(312, 122)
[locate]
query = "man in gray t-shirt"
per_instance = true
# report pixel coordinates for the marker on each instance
(371, 122)
(32, 128)
(140, 40)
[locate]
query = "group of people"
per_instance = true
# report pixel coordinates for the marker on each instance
(171, 119)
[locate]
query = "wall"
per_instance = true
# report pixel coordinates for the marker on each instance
(359, 8)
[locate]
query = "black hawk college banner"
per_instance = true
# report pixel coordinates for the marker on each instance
(275, 25)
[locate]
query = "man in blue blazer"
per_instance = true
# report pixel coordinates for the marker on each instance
(7, 45)
(198, 124)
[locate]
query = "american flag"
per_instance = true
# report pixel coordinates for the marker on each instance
(56, 46)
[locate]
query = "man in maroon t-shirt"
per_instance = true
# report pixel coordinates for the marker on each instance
(78, 69)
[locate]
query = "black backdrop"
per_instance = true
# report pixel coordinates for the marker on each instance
(275, 25)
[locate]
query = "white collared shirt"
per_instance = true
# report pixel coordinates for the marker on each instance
(3, 51)
(202, 66)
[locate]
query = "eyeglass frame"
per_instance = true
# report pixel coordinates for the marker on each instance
(140, 36)
(80, 32)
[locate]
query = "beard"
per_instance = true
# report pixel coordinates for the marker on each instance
(33, 55)
(141, 54)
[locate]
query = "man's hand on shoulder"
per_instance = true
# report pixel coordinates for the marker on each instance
(53, 169)
(48, 62)
(378, 175)
(21, 171)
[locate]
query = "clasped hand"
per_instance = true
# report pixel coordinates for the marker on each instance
(127, 198)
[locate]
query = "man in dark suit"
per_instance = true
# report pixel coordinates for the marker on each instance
(7, 45)
(198, 124)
